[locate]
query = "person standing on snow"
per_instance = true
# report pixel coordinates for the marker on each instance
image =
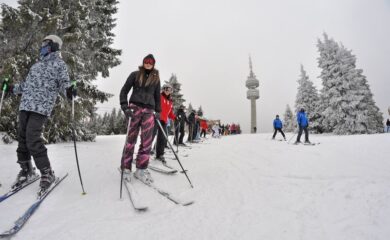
(204, 127)
(303, 123)
(166, 112)
(45, 80)
(191, 126)
(388, 125)
(278, 125)
(141, 110)
(180, 122)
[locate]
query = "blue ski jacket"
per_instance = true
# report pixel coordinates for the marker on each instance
(278, 124)
(302, 119)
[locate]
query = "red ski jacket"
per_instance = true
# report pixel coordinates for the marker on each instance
(166, 109)
(203, 124)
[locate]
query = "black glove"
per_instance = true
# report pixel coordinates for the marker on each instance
(127, 111)
(71, 92)
(157, 115)
(6, 87)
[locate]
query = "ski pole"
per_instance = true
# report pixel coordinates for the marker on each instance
(177, 158)
(74, 139)
(3, 93)
(291, 137)
(123, 154)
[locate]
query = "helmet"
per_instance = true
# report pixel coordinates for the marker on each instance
(57, 42)
(167, 85)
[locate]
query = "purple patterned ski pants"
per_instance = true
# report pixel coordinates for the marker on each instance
(142, 118)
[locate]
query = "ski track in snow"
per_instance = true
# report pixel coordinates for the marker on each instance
(246, 187)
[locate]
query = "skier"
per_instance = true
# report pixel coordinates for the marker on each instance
(166, 112)
(180, 122)
(191, 126)
(141, 110)
(388, 125)
(204, 127)
(45, 80)
(278, 125)
(303, 123)
(216, 131)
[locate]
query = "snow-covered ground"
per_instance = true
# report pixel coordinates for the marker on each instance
(246, 187)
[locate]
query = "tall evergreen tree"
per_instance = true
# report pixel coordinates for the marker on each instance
(289, 120)
(189, 109)
(177, 97)
(86, 29)
(200, 111)
(347, 103)
(307, 98)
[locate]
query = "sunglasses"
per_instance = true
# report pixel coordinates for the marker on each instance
(149, 61)
(167, 89)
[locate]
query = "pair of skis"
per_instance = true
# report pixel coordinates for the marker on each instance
(134, 198)
(18, 188)
(307, 144)
(30, 211)
(161, 167)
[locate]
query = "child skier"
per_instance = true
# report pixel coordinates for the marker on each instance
(278, 125)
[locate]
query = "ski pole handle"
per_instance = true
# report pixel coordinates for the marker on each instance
(5, 86)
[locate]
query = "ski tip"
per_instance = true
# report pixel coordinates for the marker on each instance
(188, 203)
(142, 209)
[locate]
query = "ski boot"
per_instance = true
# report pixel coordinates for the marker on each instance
(143, 175)
(161, 159)
(127, 174)
(26, 173)
(47, 179)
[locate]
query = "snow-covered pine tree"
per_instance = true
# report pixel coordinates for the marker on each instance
(86, 29)
(177, 97)
(289, 124)
(347, 103)
(200, 111)
(189, 109)
(121, 123)
(307, 98)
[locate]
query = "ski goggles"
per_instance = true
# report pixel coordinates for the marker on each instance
(167, 89)
(45, 43)
(149, 61)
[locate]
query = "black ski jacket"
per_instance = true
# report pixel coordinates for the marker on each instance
(143, 96)
(181, 117)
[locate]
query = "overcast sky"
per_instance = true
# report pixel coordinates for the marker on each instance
(206, 43)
